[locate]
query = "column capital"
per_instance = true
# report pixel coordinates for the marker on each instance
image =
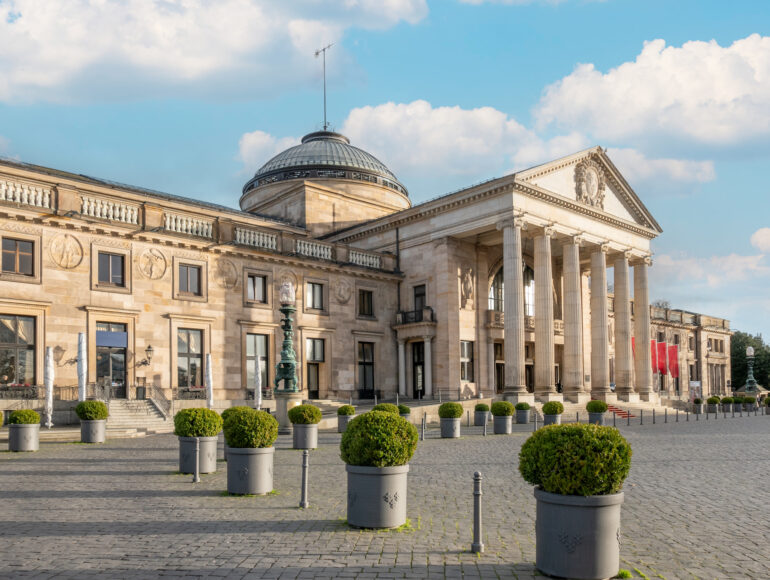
(641, 260)
(516, 221)
(574, 240)
(624, 254)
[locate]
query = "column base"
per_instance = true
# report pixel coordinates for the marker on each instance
(608, 397)
(629, 397)
(581, 397)
(649, 397)
(284, 402)
(546, 397)
(524, 397)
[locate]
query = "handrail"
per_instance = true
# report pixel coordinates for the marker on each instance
(158, 398)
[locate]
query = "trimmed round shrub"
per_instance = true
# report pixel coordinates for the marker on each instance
(378, 439)
(92, 411)
(386, 408)
(346, 410)
(502, 408)
(237, 409)
(481, 407)
(576, 459)
(596, 407)
(727, 401)
(199, 422)
(522, 406)
(713, 400)
(305, 415)
(749, 400)
(450, 411)
(404, 410)
(738, 400)
(553, 408)
(23, 417)
(251, 429)
(697, 401)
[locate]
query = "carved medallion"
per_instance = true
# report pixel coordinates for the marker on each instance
(66, 251)
(342, 291)
(152, 264)
(590, 182)
(227, 274)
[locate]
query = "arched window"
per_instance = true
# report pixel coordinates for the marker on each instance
(496, 291)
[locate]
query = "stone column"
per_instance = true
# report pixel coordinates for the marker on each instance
(491, 365)
(572, 375)
(545, 380)
(624, 366)
(600, 356)
(401, 368)
(428, 368)
(642, 331)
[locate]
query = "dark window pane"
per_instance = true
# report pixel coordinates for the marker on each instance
(25, 247)
(9, 260)
(9, 245)
(25, 264)
(183, 281)
(7, 330)
(104, 267)
(195, 283)
(251, 289)
(116, 268)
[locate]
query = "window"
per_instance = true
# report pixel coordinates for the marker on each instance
(111, 347)
(661, 337)
(365, 303)
(189, 279)
(419, 297)
(708, 344)
(189, 357)
(529, 291)
(256, 288)
(315, 356)
(18, 257)
(466, 360)
(676, 339)
(17, 349)
(257, 353)
(366, 366)
(691, 343)
(111, 269)
(315, 295)
(314, 350)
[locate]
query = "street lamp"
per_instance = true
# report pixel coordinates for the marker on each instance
(287, 369)
(751, 383)
(148, 352)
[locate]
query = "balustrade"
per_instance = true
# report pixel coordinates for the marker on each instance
(109, 210)
(25, 194)
(313, 249)
(364, 259)
(256, 239)
(189, 225)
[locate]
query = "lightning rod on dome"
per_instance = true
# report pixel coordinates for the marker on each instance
(322, 51)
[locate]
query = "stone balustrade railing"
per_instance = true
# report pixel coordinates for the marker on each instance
(256, 239)
(365, 259)
(25, 194)
(314, 249)
(105, 209)
(191, 226)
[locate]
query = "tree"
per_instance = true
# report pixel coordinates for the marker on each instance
(660, 303)
(738, 343)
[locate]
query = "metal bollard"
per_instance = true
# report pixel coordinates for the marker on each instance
(697, 416)
(535, 427)
(477, 546)
(677, 415)
(688, 415)
(375, 398)
(468, 413)
(733, 410)
(423, 429)
(641, 416)
(613, 419)
(396, 399)
(628, 418)
(577, 416)
(665, 415)
(653, 416)
(707, 414)
(303, 503)
(485, 428)
(197, 472)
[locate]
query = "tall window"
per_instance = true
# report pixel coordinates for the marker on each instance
(17, 349)
(497, 291)
(17, 257)
(189, 279)
(691, 343)
(189, 357)
(419, 297)
(315, 356)
(365, 303)
(529, 291)
(257, 288)
(315, 295)
(256, 353)
(466, 360)
(366, 366)
(111, 347)
(111, 269)
(315, 350)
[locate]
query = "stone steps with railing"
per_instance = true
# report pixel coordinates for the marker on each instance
(139, 414)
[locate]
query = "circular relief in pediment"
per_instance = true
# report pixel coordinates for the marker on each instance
(66, 251)
(152, 264)
(590, 183)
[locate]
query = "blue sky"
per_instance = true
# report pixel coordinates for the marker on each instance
(192, 96)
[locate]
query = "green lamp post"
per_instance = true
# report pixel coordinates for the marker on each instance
(286, 370)
(751, 383)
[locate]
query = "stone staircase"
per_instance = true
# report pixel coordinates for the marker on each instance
(141, 416)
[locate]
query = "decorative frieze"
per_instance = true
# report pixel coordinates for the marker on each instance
(106, 209)
(364, 259)
(313, 249)
(190, 226)
(25, 194)
(256, 239)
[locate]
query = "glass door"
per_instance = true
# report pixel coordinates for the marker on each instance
(111, 347)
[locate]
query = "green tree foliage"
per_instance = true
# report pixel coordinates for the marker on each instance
(738, 343)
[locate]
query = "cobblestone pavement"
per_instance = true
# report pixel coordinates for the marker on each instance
(696, 506)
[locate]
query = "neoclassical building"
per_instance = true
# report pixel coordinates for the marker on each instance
(500, 288)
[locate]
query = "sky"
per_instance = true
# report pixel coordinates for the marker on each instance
(191, 97)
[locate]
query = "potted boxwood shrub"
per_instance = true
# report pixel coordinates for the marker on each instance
(522, 412)
(727, 404)
(697, 406)
(376, 448)
(737, 404)
(344, 414)
(596, 411)
(23, 430)
(404, 412)
(767, 406)
(203, 425)
(93, 421)
(250, 436)
(713, 404)
(481, 414)
(226, 413)
(450, 414)
(305, 420)
(552, 411)
(387, 408)
(748, 403)
(578, 471)
(502, 411)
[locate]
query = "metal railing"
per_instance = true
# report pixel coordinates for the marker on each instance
(190, 393)
(411, 316)
(158, 397)
(22, 392)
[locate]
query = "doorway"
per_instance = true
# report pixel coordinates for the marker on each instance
(111, 349)
(418, 369)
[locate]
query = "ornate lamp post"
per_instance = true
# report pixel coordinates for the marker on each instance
(287, 396)
(751, 383)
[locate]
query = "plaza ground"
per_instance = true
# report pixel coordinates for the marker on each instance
(697, 506)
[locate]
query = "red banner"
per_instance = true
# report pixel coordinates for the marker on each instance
(633, 347)
(654, 356)
(673, 360)
(662, 367)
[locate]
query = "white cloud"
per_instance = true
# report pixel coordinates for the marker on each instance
(636, 167)
(85, 49)
(700, 91)
(257, 147)
(761, 240)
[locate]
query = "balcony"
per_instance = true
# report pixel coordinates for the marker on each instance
(415, 316)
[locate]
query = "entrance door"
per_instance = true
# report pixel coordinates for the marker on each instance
(111, 344)
(499, 377)
(312, 380)
(418, 369)
(530, 377)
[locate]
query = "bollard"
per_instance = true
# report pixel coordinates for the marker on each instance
(641, 416)
(396, 399)
(303, 503)
(716, 414)
(653, 416)
(688, 415)
(577, 416)
(707, 414)
(535, 427)
(422, 433)
(350, 400)
(755, 411)
(197, 472)
(485, 428)
(628, 418)
(677, 415)
(613, 419)
(724, 412)
(477, 546)
(375, 399)
(468, 413)
(665, 415)
(697, 416)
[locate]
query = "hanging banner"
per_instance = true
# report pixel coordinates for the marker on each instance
(654, 355)
(662, 367)
(673, 360)
(633, 347)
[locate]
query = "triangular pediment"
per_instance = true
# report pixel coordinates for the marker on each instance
(589, 177)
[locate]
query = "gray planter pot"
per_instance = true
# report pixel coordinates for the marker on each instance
(522, 417)
(305, 436)
(377, 496)
(450, 428)
(578, 537)
(480, 418)
(208, 454)
(713, 408)
(250, 471)
(697, 409)
(406, 416)
(226, 449)
(93, 431)
(503, 424)
(24, 437)
(552, 420)
(748, 408)
(342, 422)
(596, 418)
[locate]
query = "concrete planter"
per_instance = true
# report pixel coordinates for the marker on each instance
(342, 422)
(503, 424)
(226, 449)
(450, 428)
(305, 436)
(552, 419)
(480, 418)
(522, 416)
(93, 431)
(596, 418)
(250, 471)
(748, 407)
(406, 416)
(727, 407)
(377, 496)
(208, 454)
(712, 408)
(697, 409)
(24, 437)
(578, 537)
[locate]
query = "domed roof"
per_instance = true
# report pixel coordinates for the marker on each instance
(325, 154)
